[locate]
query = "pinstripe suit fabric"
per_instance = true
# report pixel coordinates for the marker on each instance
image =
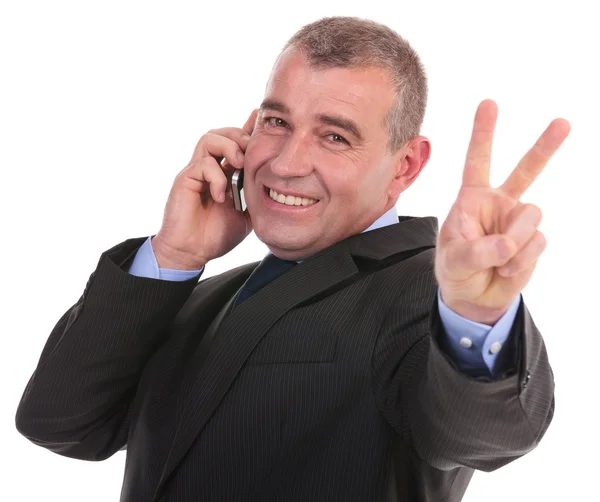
(327, 384)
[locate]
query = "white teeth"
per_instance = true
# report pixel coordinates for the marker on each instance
(290, 200)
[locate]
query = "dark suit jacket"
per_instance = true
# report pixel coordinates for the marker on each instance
(326, 385)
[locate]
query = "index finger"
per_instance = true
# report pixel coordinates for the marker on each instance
(479, 154)
(248, 127)
(534, 161)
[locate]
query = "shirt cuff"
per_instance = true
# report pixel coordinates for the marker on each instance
(145, 265)
(473, 345)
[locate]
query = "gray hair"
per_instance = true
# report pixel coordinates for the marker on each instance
(351, 42)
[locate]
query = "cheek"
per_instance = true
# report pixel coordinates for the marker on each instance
(341, 178)
(260, 150)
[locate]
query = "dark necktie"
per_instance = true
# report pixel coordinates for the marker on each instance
(268, 270)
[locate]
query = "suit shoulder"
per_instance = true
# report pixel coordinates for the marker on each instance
(418, 266)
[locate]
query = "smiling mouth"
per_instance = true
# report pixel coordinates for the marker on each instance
(289, 200)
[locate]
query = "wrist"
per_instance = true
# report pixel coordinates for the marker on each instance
(473, 312)
(173, 259)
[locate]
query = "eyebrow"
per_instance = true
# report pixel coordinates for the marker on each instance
(274, 105)
(333, 120)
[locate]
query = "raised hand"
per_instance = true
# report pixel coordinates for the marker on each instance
(200, 222)
(489, 244)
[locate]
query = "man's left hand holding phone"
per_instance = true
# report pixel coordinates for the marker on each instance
(205, 216)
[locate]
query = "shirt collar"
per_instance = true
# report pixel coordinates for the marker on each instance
(390, 217)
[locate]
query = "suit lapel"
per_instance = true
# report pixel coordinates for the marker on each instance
(241, 330)
(238, 334)
(409, 234)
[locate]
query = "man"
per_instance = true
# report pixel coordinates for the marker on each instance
(372, 366)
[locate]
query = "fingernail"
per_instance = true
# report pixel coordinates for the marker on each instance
(240, 156)
(222, 197)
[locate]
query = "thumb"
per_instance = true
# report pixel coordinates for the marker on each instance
(479, 254)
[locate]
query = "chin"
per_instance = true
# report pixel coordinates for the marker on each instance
(283, 240)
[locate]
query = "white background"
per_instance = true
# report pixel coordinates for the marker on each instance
(102, 104)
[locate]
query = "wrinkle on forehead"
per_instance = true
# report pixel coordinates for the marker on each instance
(318, 95)
(293, 75)
(363, 95)
(348, 103)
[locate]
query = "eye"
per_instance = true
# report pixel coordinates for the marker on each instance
(336, 138)
(276, 122)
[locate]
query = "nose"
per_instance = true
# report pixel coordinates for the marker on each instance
(294, 156)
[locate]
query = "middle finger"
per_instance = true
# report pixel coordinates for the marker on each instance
(534, 161)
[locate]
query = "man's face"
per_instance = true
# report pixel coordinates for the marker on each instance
(319, 135)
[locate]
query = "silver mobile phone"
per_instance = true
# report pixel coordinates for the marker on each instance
(237, 189)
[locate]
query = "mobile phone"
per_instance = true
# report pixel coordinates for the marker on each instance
(237, 190)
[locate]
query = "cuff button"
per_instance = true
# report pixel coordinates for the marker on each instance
(465, 342)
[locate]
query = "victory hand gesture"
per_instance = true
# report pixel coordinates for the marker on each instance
(489, 244)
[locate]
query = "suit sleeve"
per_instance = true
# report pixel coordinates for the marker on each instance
(451, 419)
(78, 400)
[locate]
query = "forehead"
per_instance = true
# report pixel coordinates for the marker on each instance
(365, 94)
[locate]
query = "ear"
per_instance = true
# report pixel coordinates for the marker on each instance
(411, 160)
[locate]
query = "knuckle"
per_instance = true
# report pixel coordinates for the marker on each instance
(516, 262)
(534, 210)
(209, 136)
(234, 150)
(526, 175)
(185, 171)
(198, 165)
(189, 167)
(202, 169)
(219, 179)
(541, 240)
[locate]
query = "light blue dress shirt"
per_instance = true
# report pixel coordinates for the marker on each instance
(471, 346)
